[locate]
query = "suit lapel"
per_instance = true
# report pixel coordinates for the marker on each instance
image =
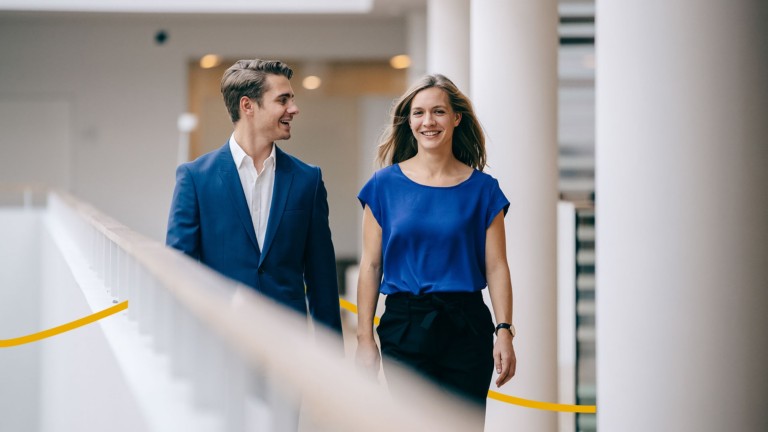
(283, 180)
(231, 180)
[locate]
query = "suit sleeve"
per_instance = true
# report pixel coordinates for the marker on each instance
(184, 218)
(320, 264)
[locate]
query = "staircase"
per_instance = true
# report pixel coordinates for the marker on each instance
(585, 317)
(576, 136)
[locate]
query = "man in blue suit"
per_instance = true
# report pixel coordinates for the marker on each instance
(253, 212)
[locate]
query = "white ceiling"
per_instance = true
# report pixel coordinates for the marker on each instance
(363, 7)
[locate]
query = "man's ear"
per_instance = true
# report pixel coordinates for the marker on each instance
(246, 105)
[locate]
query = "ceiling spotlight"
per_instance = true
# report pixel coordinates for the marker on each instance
(311, 82)
(401, 61)
(210, 61)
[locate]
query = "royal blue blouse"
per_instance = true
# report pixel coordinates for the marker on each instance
(433, 238)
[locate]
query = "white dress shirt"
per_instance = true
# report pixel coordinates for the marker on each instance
(256, 186)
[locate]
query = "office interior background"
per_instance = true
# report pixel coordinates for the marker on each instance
(647, 119)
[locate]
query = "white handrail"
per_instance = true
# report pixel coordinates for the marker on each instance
(249, 360)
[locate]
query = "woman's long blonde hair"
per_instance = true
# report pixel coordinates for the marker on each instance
(398, 143)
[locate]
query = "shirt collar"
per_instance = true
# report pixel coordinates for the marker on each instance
(238, 154)
(269, 163)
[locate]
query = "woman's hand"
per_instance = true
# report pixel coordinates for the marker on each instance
(367, 356)
(504, 357)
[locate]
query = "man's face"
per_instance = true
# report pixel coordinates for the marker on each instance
(273, 118)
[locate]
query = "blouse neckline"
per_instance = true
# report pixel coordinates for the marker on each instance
(400, 171)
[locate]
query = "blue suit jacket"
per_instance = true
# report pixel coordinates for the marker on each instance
(209, 221)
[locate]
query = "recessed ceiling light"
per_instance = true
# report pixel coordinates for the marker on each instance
(401, 61)
(210, 61)
(311, 82)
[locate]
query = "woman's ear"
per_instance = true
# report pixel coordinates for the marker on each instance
(458, 119)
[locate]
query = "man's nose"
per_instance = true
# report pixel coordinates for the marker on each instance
(293, 109)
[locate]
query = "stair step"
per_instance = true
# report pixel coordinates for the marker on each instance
(586, 422)
(585, 307)
(586, 334)
(585, 282)
(585, 233)
(585, 257)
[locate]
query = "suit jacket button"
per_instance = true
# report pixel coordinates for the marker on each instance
(261, 271)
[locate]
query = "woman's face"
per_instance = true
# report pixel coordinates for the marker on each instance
(432, 119)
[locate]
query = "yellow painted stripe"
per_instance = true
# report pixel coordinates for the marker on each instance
(348, 305)
(4, 343)
(548, 406)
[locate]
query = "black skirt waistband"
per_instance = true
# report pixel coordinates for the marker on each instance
(440, 301)
(428, 307)
(451, 297)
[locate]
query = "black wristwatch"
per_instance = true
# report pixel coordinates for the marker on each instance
(507, 326)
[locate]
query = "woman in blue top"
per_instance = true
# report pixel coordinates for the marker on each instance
(433, 239)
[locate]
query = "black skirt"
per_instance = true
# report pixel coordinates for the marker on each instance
(447, 337)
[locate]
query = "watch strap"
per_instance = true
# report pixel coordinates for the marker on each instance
(507, 326)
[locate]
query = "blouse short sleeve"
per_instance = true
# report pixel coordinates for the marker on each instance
(369, 196)
(496, 203)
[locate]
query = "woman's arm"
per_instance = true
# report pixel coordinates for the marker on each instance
(500, 288)
(368, 282)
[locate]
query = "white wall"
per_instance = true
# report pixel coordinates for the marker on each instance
(372, 110)
(82, 385)
(41, 155)
(48, 385)
(125, 92)
(19, 316)
(333, 146)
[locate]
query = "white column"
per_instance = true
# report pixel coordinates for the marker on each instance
(682, 215)
(448, 40)
(514, 88)
(416, 23)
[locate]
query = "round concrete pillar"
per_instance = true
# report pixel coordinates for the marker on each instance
(682, 215)
(448, 40)
(513, 71)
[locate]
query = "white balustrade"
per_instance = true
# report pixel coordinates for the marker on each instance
(228, 358)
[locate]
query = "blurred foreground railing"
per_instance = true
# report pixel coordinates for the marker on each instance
(249, 363)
